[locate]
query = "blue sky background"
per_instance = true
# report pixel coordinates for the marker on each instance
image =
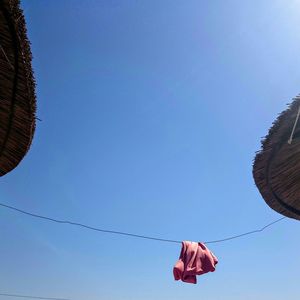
(151, 115)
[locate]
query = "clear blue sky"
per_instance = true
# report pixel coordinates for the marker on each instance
(152, 112)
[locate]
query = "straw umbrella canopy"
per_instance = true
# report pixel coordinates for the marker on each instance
(276, 168)
(17, 87)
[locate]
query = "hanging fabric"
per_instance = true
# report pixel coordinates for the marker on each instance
(195, 259)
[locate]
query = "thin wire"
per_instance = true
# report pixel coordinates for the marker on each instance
(6, 57)
(132, 234)
(295, 124)
(31, 297)
(247, 233)
(89, 227)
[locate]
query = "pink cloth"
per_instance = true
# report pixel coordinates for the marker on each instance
(195, 259)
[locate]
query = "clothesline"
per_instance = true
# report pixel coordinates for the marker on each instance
(132, 234)
(31, 297)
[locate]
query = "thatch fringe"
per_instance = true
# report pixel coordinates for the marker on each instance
(276, 168)
(17, 87)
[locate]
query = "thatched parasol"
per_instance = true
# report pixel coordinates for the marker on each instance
(17, 87)
(276, 167)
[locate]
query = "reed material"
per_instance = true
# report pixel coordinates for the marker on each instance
(17, 87)
(276, 168)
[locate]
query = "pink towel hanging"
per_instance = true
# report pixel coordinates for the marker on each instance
(195, 259)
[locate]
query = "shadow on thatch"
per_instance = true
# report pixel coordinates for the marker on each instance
(276, 168)
(17, 87)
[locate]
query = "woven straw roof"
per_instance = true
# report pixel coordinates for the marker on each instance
(276, 168)
(17, 87)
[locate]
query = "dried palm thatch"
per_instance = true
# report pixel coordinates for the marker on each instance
(17, 87)
(276, 168)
